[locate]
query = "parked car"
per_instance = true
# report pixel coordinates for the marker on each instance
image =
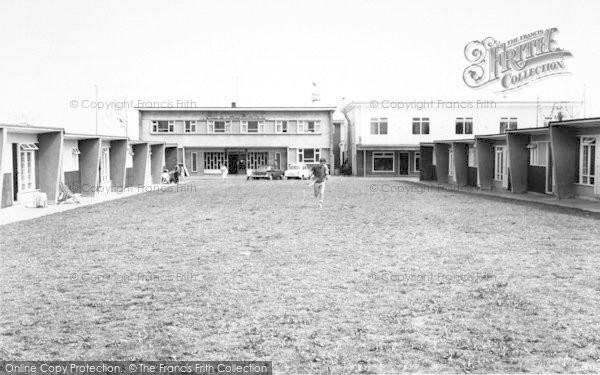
(298, 170)
(267, 172)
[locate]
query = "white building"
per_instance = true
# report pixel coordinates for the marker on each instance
(384, 136)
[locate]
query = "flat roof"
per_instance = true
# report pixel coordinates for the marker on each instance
(578, 123)
(466, 140)
(541, 129)
(235, 109)
(491, 136)
(31, 128)
(387, 147)
(72, 136)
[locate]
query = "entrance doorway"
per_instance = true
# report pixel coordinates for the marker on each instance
(15, 159)
(403, 163)
(549, 179)
(232, 163)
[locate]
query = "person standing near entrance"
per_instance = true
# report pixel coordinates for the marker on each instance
(319, 175)
(224, 172)
(176, 173)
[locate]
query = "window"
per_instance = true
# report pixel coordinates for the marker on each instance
(507, 123)
(383, 162)
(26, 167)
(309, 126)
(587, 161)
(163, 126)
(256, 159)
(379, 125)
(499, 163)
(417, 165)
(219, 126)
(253, 126)
(420, 125)
(214, 160)
(281, 126)
(105, 165)
(450, 161)
(191, 126)
(464, 125)
(309, 155)
(433, 157)
(194, 157)
(472, 157)
(75, 158)
(538, 154)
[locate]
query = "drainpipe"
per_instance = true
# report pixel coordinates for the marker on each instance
(350, 140)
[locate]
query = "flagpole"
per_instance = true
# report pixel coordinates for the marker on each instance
(96, 112)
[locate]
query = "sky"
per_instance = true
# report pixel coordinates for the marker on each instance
(58, 56)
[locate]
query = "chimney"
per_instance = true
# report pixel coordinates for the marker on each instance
(232, 104)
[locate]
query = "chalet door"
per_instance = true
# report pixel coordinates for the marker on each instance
(549, 175)
(15, 174)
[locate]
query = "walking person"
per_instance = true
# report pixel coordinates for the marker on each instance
(319, 176)
(224, 172)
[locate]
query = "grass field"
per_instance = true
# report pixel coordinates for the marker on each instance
(376, 282)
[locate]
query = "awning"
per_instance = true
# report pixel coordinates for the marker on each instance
(389, 147)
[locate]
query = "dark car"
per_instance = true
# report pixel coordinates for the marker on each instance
(267, 172)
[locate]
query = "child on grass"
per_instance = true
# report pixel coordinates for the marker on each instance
(319, 176)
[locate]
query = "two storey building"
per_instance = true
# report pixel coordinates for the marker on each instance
(240, 138)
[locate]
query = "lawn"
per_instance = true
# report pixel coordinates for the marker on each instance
(375, 282)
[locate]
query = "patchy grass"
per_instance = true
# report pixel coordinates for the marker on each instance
(375, 282)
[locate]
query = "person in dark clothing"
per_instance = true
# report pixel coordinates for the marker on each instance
(319, 176)
(176, 174)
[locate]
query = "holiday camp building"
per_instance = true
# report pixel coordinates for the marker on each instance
(30, 161)
(92, 164)
(394, 138)
(558, 159)
(36, 159)
(239, 138)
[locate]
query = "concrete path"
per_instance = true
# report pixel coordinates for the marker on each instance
(587, 205)
(20, 213)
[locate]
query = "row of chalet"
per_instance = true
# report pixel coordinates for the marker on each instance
(34, 159)
(558, 159)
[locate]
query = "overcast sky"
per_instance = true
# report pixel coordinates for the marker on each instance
(54, 52)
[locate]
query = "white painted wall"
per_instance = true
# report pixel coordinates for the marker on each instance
(68, 162)
(441, 120)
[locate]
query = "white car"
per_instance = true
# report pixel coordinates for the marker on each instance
(297, 170)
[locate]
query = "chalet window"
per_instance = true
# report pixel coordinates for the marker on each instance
(450, 162)
(587, 161)
(75, 158)
(472, 157)
(538, 154)
(105, 165)
(26, 167)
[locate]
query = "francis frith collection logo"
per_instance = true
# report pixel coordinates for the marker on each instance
(515, 63)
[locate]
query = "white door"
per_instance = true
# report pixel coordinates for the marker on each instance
(501, 166)
(597, 172)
